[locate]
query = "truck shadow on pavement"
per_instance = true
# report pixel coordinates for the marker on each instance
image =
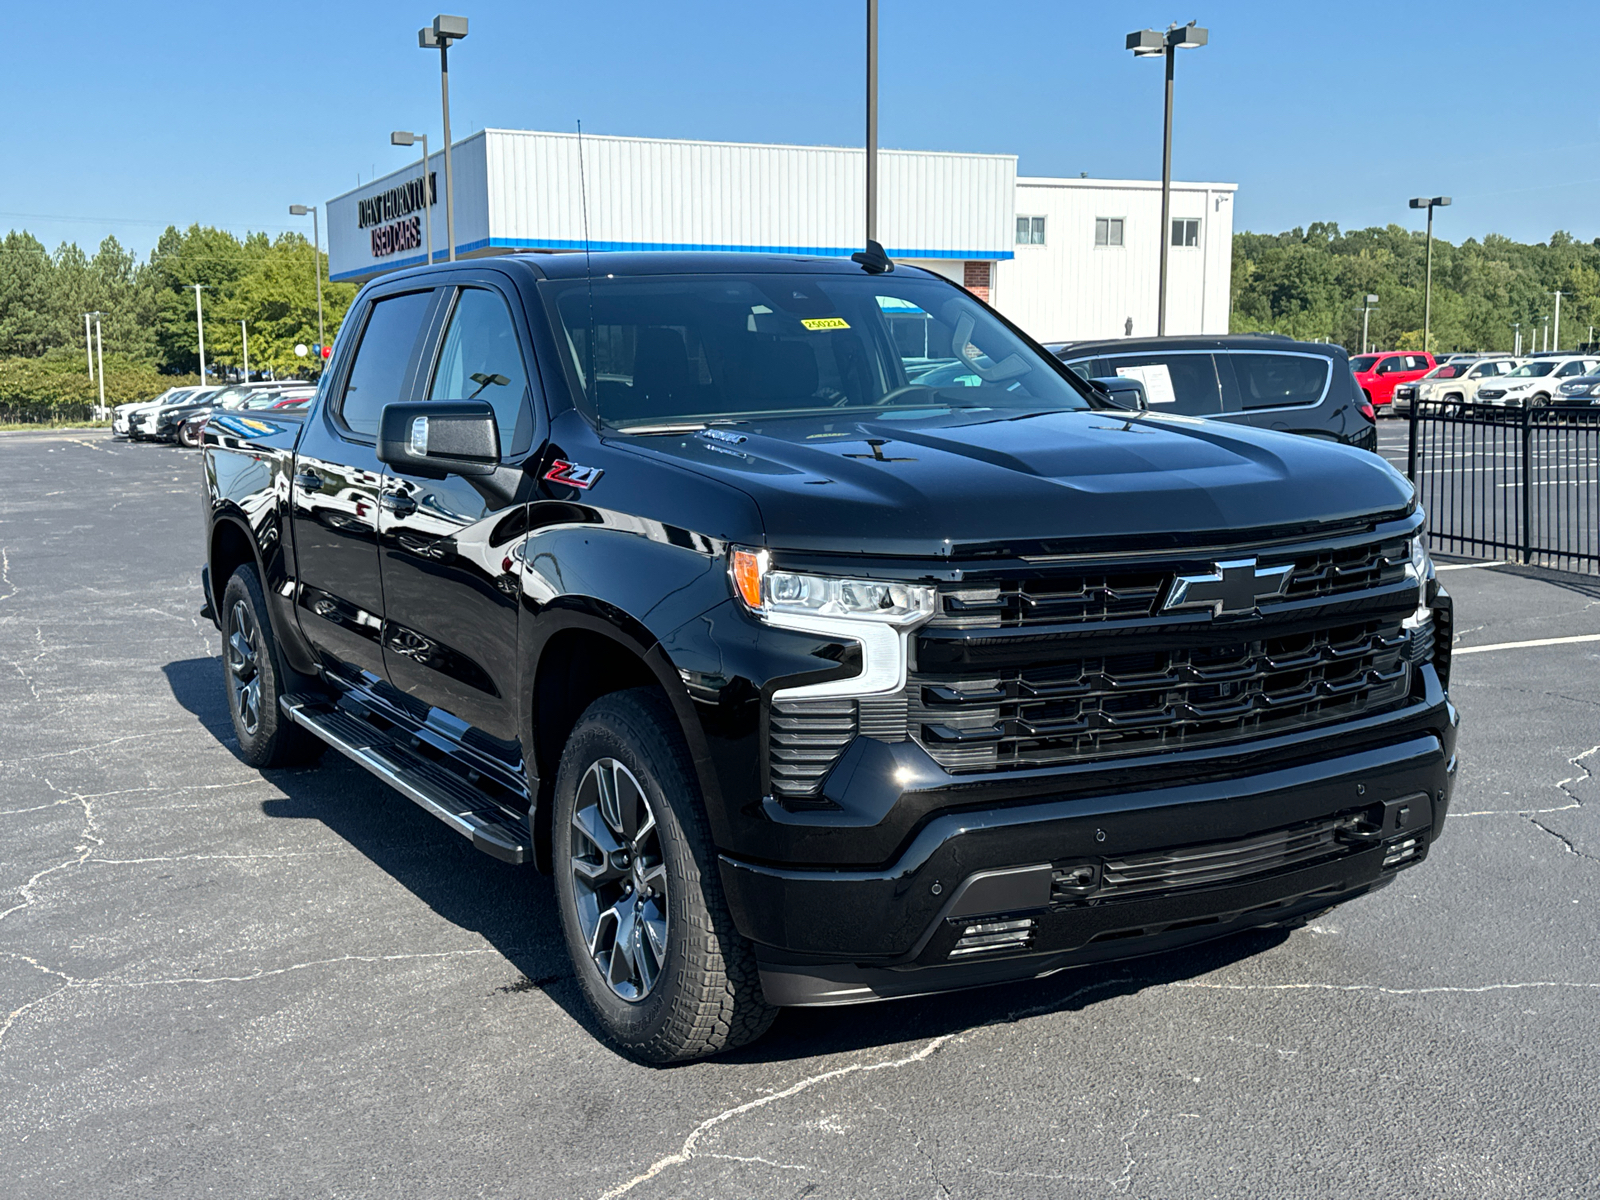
(514, 910)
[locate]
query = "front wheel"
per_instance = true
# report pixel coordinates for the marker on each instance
(1540, 400)
(255, 678)
(653, 945)
(188, 435)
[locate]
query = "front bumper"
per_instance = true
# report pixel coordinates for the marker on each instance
(986, 895)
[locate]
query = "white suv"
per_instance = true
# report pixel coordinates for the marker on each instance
(1535, 381)
(1458, 381)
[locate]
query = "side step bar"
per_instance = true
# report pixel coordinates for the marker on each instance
(447, 796)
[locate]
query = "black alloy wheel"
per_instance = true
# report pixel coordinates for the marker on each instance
(255, 678)
(665, 973)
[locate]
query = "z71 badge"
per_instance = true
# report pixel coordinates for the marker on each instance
(561, 471)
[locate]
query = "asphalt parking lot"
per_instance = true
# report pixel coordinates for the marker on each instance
(219, 983)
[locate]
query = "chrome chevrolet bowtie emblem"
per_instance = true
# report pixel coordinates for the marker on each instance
(1232, 588)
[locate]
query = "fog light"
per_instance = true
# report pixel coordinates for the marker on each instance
(1400, 851)
(989, 936)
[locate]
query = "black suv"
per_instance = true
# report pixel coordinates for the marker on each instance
(810, 682)
(1264, 380)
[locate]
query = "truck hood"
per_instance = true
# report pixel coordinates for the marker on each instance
(956, 484)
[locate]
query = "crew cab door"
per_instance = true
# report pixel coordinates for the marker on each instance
(450, 582)
(337, 481)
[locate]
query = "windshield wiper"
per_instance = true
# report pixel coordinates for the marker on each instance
(670, 427)
(667, 427)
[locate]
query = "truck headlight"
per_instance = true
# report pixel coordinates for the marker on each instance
(876, 614)
(768, 593)
(1420, 568)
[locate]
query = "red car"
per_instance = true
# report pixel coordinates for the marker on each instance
(1376, 374)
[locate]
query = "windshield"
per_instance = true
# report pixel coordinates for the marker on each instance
(1533, 370)
(1363, 362)
(1447, 371)
(690, 349)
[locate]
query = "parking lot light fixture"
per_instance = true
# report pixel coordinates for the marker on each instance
(1366, 311)
(401, 138)
(1427, 287)
(438, 36)
(1147, 43)
(300, 210)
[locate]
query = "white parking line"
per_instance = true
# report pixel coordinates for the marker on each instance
(1499, 562)
(1560, 641)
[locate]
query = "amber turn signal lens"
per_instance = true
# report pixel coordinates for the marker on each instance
(747, 576)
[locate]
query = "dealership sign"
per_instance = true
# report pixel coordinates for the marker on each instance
(388, 215)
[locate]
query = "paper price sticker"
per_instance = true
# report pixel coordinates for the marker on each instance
(816, 323)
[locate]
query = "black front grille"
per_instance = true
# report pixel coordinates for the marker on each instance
(1136, 593)
(1110, 705)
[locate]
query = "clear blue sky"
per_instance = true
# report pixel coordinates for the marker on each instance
(121, 117)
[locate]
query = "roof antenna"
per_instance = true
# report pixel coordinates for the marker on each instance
(588, 270)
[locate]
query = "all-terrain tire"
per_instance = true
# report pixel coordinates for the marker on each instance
(707, 995)
(250, 656)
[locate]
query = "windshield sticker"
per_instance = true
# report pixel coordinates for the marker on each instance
(1157, 381)
(816, 324)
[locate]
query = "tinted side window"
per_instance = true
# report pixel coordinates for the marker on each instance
(379, 371)
(1416, 362)
(1391, 365)
(1279, 380)
(1184, 383)
(481, 360)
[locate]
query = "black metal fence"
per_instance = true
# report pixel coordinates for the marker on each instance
(1511, 483)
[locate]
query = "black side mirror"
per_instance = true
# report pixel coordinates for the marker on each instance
(435, 440)
(1123, 391)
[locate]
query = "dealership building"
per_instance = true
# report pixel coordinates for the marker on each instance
(1063, 258)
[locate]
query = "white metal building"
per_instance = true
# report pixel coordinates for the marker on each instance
(1064, 258)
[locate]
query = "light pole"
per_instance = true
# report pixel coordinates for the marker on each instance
(401, 138)
(100, 352)
(300, 210)
(244, 340)
(1546, 320)
(1147, 43)
(88, 343)
(439, 35)
(1516, 339)
(1557, 336)
(1366, 311)
(1427, 287)
(200, 329)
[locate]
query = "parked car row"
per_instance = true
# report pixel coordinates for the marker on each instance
(1505, 382)
(179, 414)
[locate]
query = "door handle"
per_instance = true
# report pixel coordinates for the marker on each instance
(308, 481)
(399, 505)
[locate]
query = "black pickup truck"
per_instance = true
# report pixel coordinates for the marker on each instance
(810, 683)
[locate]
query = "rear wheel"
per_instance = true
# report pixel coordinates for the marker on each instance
(652, 943)
(253, 673)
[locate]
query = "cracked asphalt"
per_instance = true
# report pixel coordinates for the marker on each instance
(219, 983)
